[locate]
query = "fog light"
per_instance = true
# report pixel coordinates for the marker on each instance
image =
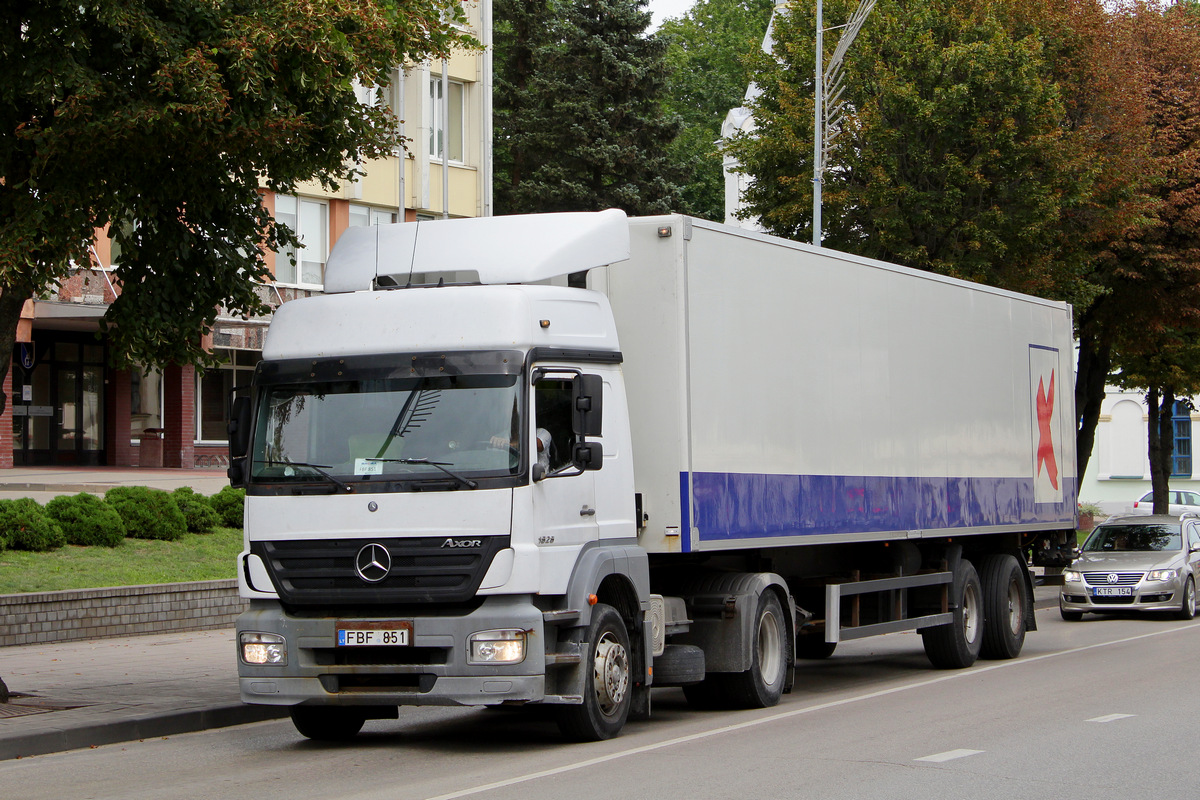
(263, 648)
(496, 647)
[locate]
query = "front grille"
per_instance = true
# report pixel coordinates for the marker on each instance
(1112, 601)
(423, 570)
(1123, 578)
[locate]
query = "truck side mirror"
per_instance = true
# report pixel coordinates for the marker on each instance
(587, 405)
(239, 427)
(588, 455)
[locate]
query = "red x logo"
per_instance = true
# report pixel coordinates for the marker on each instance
(1045, 451)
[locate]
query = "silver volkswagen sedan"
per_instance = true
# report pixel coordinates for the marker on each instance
(1136, 563)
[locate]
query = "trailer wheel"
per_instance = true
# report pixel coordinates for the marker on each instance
(1003, 607)
(328, 724)
(607, 685)
(814, 646)
(761, 686)
(956, 645)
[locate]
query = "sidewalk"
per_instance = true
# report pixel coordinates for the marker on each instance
(80, 694)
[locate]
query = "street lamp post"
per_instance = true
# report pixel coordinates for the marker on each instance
(827, 91)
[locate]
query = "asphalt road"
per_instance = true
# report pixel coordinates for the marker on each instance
(1105, 708)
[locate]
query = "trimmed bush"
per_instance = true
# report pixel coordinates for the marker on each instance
(229, 503)
(87, 520)
(147, 513)
(197, 513)
(24, 524)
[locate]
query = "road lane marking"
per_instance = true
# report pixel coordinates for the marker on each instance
(1110, 718)
(649, 748)
(949, 755)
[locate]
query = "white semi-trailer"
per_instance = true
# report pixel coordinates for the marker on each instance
(472, 481)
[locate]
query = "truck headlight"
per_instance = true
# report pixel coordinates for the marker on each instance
(1071, 576)
(1161, 575)
(496, 647)
(263, 648)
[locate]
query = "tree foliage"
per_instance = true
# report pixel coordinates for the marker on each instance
(708, 52)
(162, 121)
(578, 119)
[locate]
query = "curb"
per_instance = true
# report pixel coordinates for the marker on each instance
(144, 726)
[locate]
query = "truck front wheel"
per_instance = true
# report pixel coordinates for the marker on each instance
(608, 681)
(956, 645)
(328, 723)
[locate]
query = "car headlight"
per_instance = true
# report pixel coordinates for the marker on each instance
(1162, 574)
(496, 647)
(265, 649)
(1071, 576)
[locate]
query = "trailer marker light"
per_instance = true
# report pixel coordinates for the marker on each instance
(544, 323)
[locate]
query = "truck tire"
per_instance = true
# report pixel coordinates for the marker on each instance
(957, 645)
(607, 682)
(1187, 605)
(679, 665)
(1004, 607)
(761, 686)
(328, 723)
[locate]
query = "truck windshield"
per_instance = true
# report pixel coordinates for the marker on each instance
(456, 427)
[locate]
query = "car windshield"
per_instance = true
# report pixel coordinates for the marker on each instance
(1133, 539)
(393, 429)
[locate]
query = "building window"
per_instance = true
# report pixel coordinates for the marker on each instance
(362, 216)
(453, 129)
(145, 401)
(310, 220)
(1181, 421)
(213, 388)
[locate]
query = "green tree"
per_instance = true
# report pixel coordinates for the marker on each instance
(162, 121)
(953, 159)
(578, 116)
(708, 51)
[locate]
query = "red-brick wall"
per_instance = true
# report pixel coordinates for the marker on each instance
(179, 416)
(116, 420)
(6, 437)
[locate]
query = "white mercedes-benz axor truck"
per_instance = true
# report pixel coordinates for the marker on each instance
(564, 458)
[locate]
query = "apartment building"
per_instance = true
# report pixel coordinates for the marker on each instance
(68, 407)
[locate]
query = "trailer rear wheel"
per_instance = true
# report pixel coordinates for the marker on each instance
(607, 682)
(328, 723)
(761, 686)
(956, 645)
(1004, 607)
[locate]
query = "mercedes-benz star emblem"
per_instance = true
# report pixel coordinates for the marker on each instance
(373, 563)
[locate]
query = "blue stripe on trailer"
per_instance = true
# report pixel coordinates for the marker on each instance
(731, 506)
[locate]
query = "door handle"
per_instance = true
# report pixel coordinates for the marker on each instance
(587, 512)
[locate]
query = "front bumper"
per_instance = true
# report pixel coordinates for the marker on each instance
(1146, 596)
(433, 671)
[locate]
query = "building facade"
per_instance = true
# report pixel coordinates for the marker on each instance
(69, 407)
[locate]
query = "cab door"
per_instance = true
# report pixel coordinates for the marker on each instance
(564, 496)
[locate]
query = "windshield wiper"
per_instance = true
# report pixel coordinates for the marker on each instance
(467, 482)
(317, 468)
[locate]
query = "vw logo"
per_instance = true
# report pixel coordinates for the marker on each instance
(373, 563)
(1112, 577)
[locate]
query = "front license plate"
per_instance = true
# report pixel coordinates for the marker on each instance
(1112, 591)
(392, 633)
